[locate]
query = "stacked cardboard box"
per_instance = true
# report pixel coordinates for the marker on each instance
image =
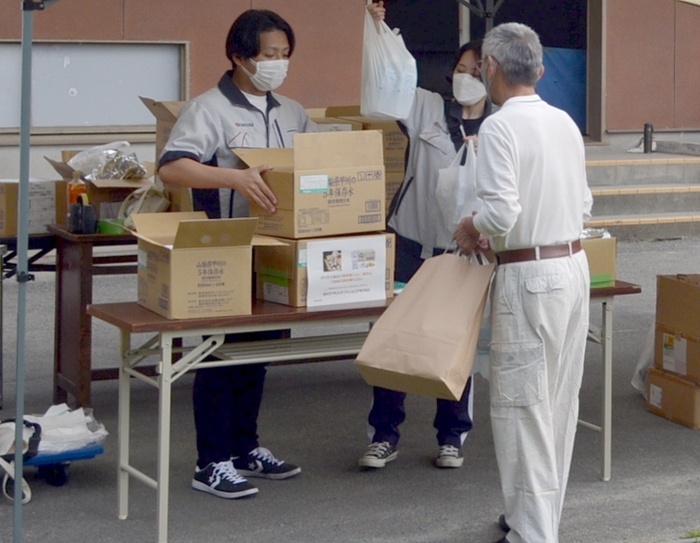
(331, 213)
(674, 382)
(394, 141)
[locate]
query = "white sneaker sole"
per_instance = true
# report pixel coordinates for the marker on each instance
(203, 487)
(449, 462)
(275, 476)
(373, 462)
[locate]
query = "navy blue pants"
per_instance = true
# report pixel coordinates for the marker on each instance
(226, 405)
(452, 419)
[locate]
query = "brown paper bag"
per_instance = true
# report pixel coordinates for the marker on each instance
(425, 342)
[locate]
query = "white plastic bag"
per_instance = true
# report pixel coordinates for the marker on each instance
(148, 199)
(455, 193)
(389, 73)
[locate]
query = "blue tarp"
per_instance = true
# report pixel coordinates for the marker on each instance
(564, 82)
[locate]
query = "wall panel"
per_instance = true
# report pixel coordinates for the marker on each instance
(640, 64)
(687, 81)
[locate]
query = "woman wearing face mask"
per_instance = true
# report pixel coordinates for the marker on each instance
(436, 129)
(241, 111)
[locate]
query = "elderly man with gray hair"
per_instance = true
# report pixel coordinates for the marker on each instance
(531, 176)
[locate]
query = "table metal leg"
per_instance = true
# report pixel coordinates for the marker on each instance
(164, 407)
(123, 425)
(606, 426)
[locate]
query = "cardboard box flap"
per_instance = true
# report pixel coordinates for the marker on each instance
(281, 159)
(267, 241)
(164, 111)
(159, 226)
(63, 169)
(331, 150)
(692, 278)
(343, 111)
(215, 233)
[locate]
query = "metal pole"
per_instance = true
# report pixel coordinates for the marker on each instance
(22, 243)
(28, 8)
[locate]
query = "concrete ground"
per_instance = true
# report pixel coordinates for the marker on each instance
(315, 415)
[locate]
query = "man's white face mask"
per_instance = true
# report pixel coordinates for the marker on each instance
(467, 89)
(269, 74)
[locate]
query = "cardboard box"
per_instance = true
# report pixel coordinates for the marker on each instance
(602, 260)
(329, 184)
(166, 114)
(105, 194)
(677, 353)
(281, 271)
(677, 303)
(47, 205)
(393, 139)
(674, 398)
(190, 266)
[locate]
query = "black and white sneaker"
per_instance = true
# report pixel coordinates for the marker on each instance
(378, 454)
(222, 480)
(449, 457)
(261, 462)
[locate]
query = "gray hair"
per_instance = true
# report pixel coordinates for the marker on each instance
(517, 49)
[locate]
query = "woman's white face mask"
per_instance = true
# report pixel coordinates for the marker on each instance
(269, 74)
(467, 89)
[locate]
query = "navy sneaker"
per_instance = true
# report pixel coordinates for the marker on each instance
(222, 480)
(261, 462)
(449, 457)
(378, 454)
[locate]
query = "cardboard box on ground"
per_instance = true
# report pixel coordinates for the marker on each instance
(329, 184)
(192, 267)
(281, 271)
(674, 381)
(106, 194)
(47, 205)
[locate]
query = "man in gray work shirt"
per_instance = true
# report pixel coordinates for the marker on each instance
(241, 111)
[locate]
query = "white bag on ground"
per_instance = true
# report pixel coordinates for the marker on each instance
(389, 73)
(455, 192)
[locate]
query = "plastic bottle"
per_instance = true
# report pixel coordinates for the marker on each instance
(76, 187)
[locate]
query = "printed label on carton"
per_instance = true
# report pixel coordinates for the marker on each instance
(302, 258)
(309, 184)
(675, 351)
(655, 395)
(142, 258)
(275, 293)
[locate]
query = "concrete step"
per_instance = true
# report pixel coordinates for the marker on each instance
(629, 169)
(649, 226)
(633, 199)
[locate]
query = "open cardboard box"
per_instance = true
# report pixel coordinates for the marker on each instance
(329, 184)
(190, 266)
(105, 194)
(166, 114)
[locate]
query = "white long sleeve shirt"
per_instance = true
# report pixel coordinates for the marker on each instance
(531, 176)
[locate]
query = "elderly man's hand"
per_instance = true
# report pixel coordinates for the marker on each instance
(466, 236)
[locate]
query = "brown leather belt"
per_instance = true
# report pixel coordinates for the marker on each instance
(539, 253)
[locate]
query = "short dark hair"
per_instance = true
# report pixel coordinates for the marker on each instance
(474, 45)
(243, 38)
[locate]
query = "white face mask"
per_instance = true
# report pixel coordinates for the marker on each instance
(467, 90)
(269, 74)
